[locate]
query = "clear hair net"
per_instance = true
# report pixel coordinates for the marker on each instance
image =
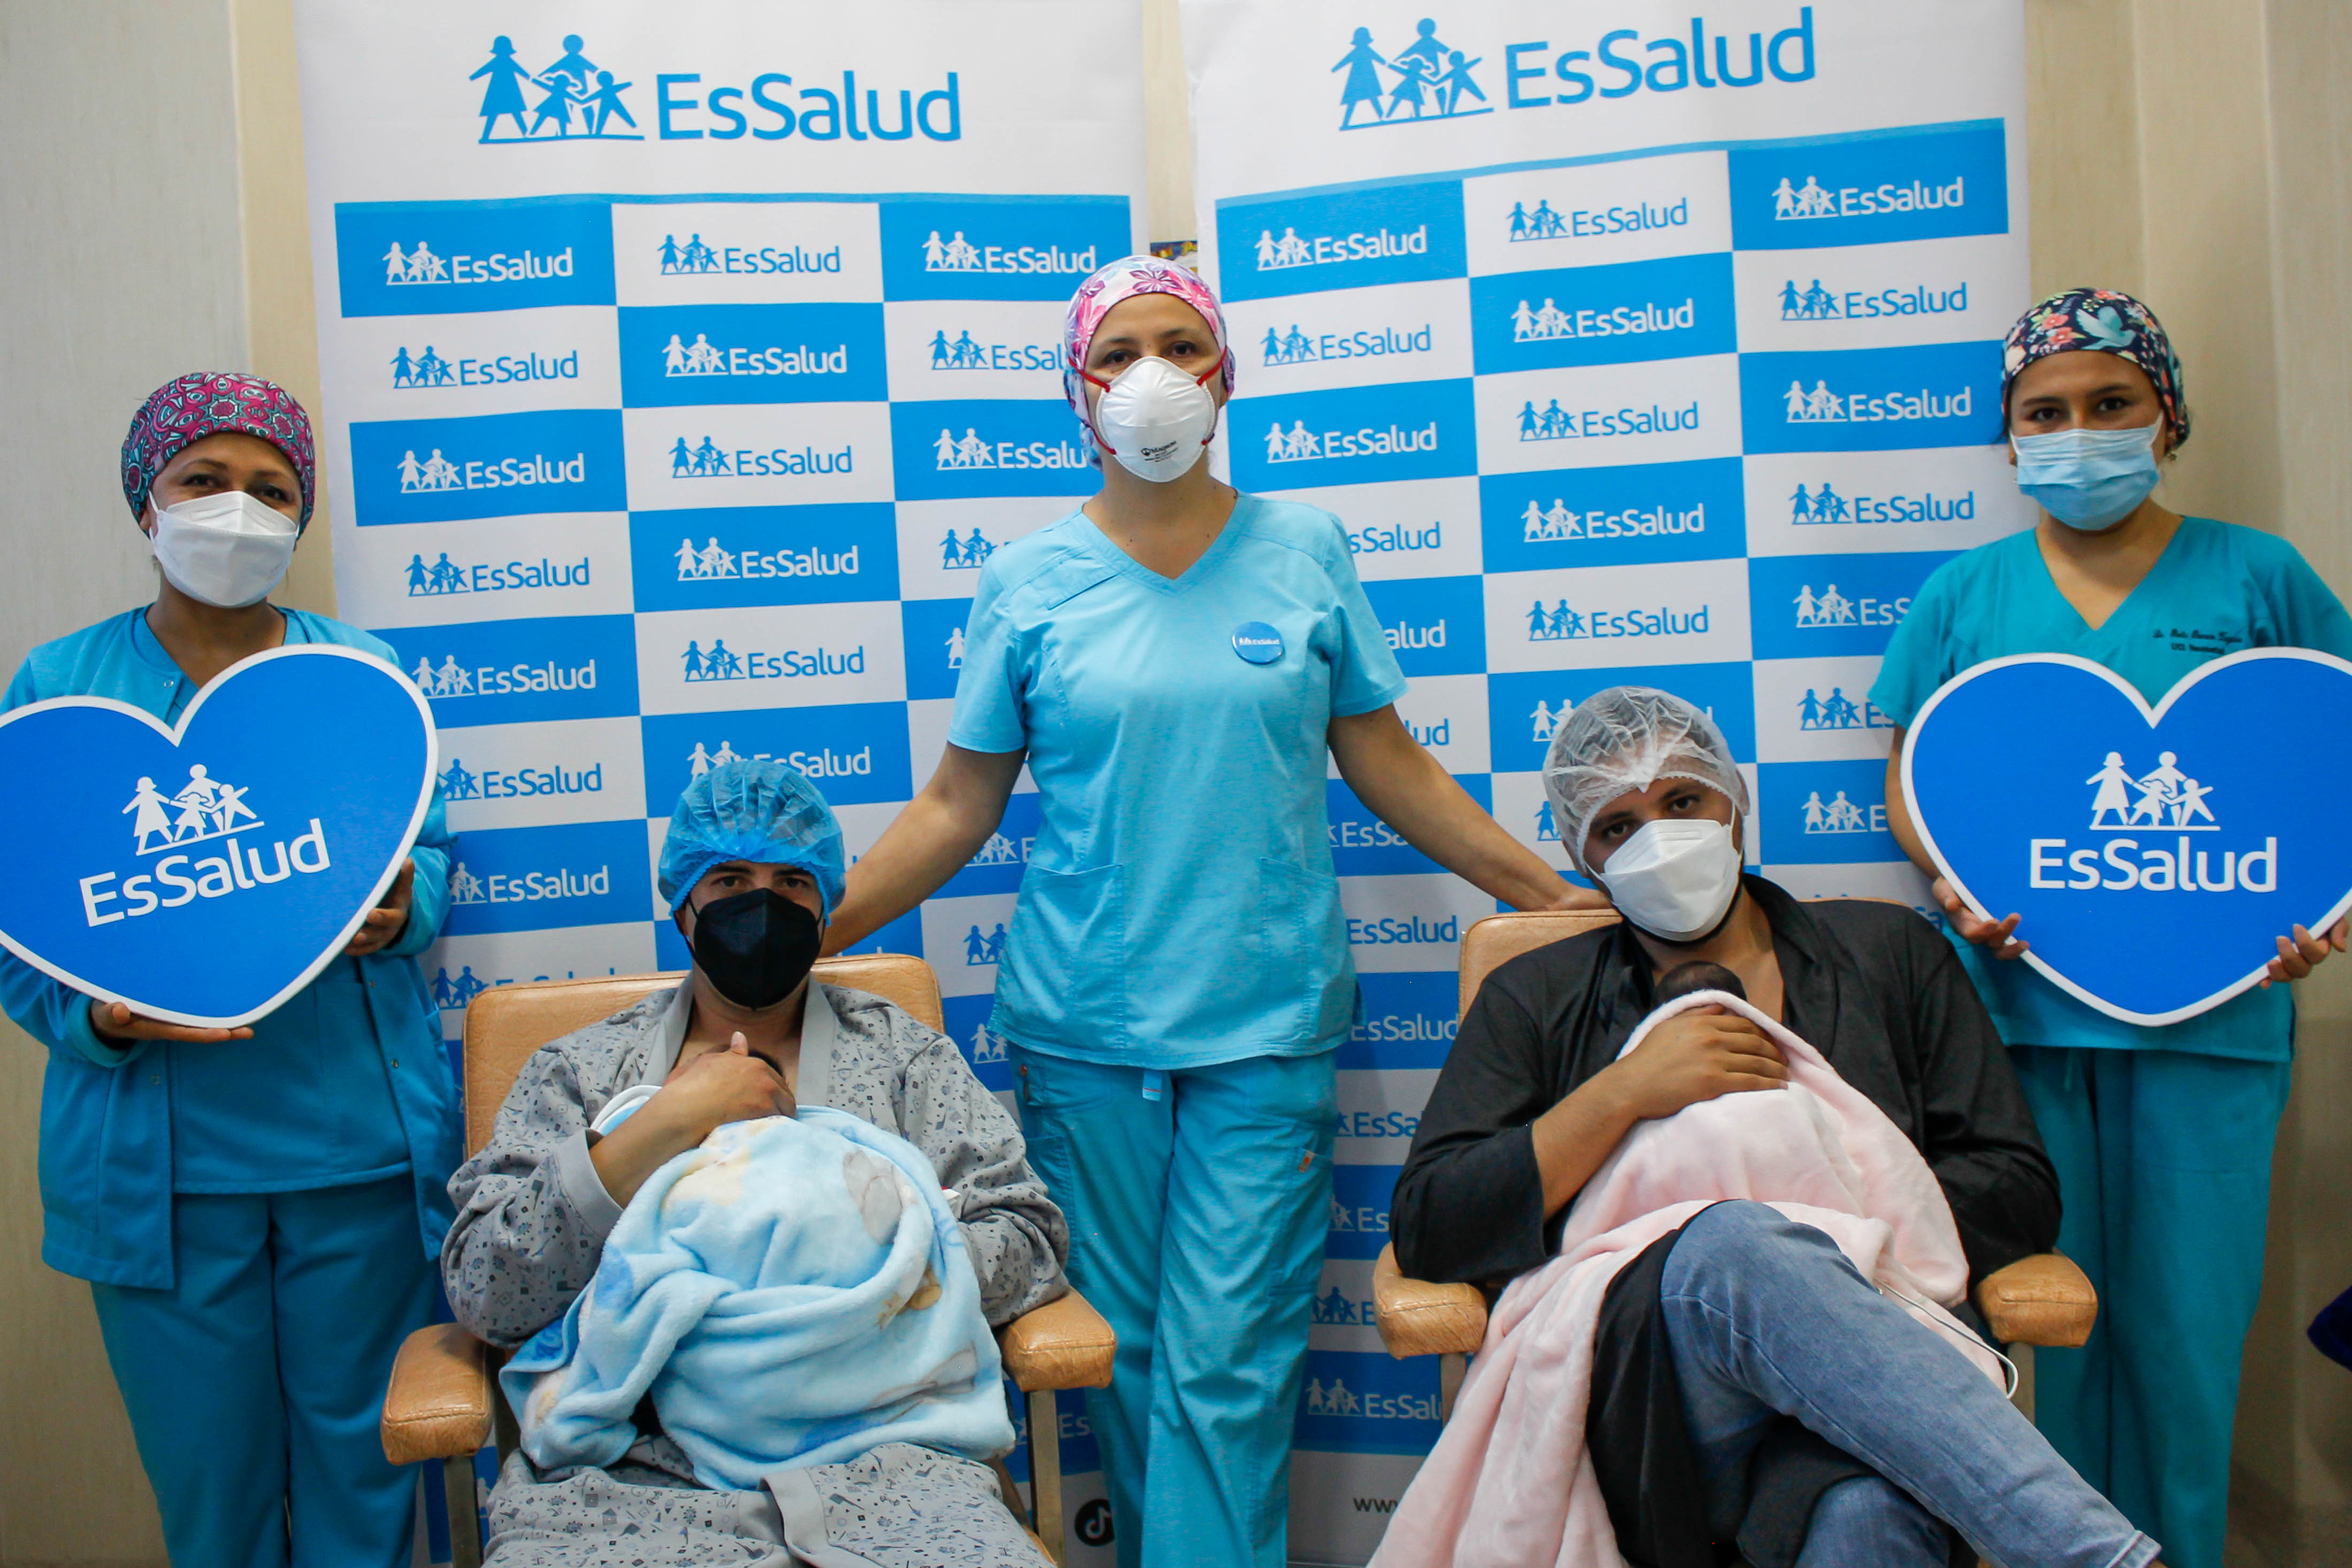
(1626, 738)
(757, 810)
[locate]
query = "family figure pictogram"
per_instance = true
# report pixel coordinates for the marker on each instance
(427, 369)
(955, 648)
(1426, 71)
(1538, 326)
(971, 452)
(435, 473)
(1813, 304)
(1540, 526)
(1828, 609)
(1288, 251)
(452, 679)
(441, 577)
(961, 354)
(1838, 712)
(965, 555)
(998, 851)
(1839, 815)
(979, 949)
(692, 257)
(703, 462)
(2165, 793)
(1333, 1306)
(1293, 347)
(702, 759)
(419, 266)
(1814, 407)
(718, 662)
(456, 784)
(701, 565)
(1553, 624)
(1808, 200)
(571, 83)
(1289, 447)
(957, 255)
(1541, 223)
(465, 888)
(697, 358)
(1827, 507)
(207, 808)
(1551, 423)
(449, 994)
(1336, 1400)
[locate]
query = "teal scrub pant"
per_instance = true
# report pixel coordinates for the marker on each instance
(255, 1384)
(2164, 1166)
(1197, 1202)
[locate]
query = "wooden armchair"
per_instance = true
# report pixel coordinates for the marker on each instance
(443, 1402)
(2045, 1300)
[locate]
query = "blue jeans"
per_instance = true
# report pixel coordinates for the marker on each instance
(1767, 1318)
(1197, 1202)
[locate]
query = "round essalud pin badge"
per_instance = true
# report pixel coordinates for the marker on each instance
(1257, 642)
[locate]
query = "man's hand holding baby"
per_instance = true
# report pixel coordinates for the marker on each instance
(702, 1092)
(1697, 1055)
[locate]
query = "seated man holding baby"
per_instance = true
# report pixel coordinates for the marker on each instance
(1723, 1378)
(753, 1330)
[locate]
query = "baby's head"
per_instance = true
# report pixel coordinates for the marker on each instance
(1698, 975)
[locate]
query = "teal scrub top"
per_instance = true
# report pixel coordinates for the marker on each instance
(2216, 589)
(1179, 907)
(346, 1082)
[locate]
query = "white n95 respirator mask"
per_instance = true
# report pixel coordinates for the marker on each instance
(1674, 879)
(1157, 420)
(228, 550)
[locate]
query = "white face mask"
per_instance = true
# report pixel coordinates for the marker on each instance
(1674, 879)
(1156, 419)
(225, 549)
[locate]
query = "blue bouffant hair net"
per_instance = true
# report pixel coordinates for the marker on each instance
(757, 810)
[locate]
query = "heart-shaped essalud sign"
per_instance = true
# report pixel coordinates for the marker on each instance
(204, 874)
(2156, 855)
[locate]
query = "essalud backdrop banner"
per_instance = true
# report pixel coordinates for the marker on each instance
(1655, 343)
(682, 365)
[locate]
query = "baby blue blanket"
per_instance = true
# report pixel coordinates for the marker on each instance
(793, 1293)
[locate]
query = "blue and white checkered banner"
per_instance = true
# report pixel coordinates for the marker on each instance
(1645, 344)
(681, 367)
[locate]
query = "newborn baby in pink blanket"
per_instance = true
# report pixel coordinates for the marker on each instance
(1492, 1492)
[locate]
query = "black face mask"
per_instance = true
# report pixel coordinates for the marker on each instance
(755, 947)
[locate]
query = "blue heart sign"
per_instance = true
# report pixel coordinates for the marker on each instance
(206, 873)
(2156, 854)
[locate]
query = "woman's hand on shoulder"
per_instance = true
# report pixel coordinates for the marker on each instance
(2302, 953)
(1703, 1054)
(119, 1026)
(1997, 935)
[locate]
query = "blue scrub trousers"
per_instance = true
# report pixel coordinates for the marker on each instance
(1197, 1221)
(2164, 1166)
(256, 1384)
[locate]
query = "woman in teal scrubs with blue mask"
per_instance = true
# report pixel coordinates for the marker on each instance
(2161, 1136)
(257, 1210)
(1176, 662)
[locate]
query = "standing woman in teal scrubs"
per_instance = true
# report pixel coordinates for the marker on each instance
(2161, 1136)
(257, 1210)
(1177, 663)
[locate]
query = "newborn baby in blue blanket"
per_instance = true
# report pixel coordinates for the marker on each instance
(792, 1293)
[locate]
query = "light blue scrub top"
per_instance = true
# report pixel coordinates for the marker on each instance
(346, 1082)
(1179, 909)
(2216, 589)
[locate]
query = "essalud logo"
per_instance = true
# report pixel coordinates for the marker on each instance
(203, 810)
(1432, 81)
(2170, 803)
(572, 82)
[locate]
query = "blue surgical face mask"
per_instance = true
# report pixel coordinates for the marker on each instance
(2090, 479)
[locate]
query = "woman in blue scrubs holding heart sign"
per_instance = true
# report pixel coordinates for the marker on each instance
(257, 1210)
(1177, 664)
(2161, 1136)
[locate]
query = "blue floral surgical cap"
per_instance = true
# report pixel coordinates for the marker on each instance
(756, 810)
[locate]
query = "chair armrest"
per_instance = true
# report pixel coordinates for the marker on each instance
(1065, 1343)
(1417, 1318)
(2045, 1300)
(438, 1404)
